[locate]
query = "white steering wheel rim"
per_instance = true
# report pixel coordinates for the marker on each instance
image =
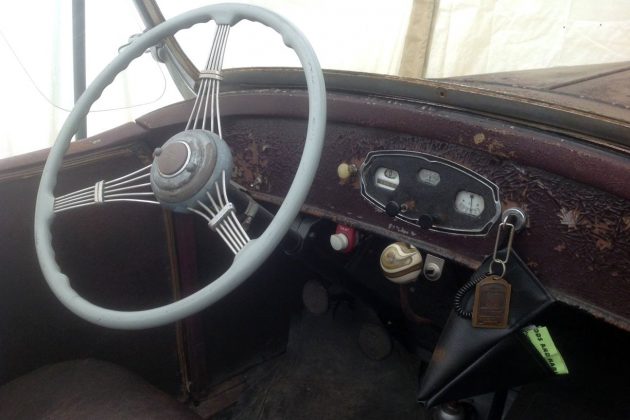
(256, 251)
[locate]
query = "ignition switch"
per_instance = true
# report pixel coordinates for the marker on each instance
(433, 267)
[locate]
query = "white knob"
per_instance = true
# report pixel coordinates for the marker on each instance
(339, 242)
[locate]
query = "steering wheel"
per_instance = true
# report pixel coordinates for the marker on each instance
(188, 173)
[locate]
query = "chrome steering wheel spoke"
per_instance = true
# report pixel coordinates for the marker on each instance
(221, 217)
(134, 187)
(209, 86)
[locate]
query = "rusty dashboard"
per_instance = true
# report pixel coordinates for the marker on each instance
(575, 192)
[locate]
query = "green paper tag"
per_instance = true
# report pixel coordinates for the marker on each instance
(542, 341)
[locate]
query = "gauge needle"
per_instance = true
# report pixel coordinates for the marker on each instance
(471, 202)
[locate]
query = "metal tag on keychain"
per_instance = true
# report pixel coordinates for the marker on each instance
(491, 306)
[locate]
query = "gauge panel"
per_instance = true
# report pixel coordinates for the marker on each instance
(430, 191)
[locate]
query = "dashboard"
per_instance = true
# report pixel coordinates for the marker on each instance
(570, 192)
(455, 167)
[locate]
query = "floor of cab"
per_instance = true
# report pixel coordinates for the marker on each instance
(325, 375)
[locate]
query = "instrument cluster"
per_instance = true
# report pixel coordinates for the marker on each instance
(430, 192)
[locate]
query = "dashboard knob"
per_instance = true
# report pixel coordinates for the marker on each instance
(392, 208)
(425, 221)
(339, 242)
(345, 171)
(344, 239)
(401, 263)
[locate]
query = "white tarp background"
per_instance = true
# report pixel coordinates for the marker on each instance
(36, 82)
(470, 36)
(487, 36)
(36, 76)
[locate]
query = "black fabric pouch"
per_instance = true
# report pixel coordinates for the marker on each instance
(470, 361)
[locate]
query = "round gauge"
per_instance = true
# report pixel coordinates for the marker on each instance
(386, 178)
(428, 177)
(469, 203)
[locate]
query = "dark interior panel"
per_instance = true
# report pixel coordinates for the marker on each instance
(116, 257)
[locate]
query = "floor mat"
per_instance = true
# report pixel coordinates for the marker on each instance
(325, 375)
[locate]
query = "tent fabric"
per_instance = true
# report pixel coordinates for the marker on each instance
(410, 38)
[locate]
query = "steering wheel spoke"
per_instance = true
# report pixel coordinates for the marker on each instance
(133, 187)
(209, 85)
(221, 217)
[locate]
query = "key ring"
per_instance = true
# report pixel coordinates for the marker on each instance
(503, 226)
(501, 264)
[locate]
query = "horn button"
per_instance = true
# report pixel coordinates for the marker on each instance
(172, 158)
(188, 165)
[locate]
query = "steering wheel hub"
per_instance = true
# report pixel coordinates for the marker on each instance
(187, 166)
(172, 159)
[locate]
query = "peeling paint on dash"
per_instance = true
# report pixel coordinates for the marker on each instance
(560, 247)
(569, 218)
(603, 244)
